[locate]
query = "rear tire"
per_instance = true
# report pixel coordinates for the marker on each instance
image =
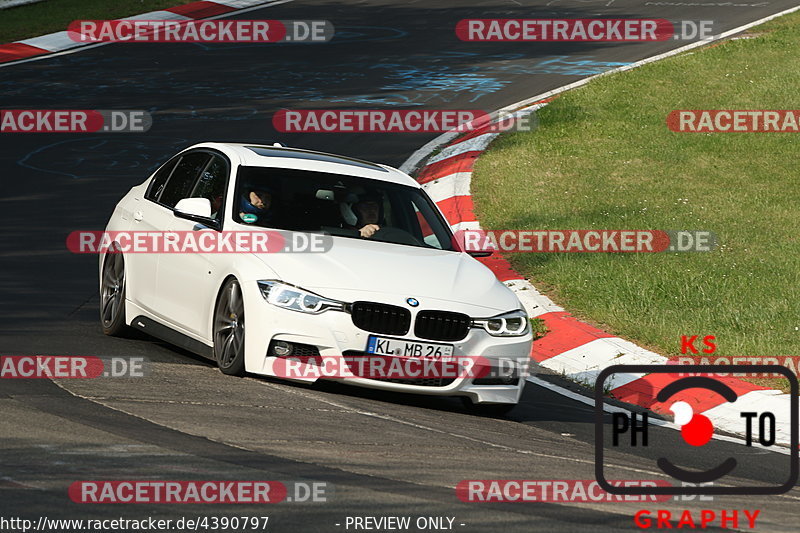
(229, 329)
(112, 293)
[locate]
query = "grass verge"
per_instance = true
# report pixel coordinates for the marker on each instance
(31, 20)
(603, 158)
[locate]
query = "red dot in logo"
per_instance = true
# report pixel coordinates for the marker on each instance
(698, 431)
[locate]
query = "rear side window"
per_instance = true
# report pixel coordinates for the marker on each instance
(180, 183)
(211, 184)
(160, 179)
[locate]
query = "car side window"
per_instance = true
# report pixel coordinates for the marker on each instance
(180, 183)
(421, 227)
(211, 184)
(160, 179)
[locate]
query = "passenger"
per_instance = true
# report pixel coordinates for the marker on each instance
(216, 204)
(255, 206)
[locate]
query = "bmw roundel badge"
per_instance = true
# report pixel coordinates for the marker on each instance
(413, 302)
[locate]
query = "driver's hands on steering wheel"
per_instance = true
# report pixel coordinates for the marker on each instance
(369, 230)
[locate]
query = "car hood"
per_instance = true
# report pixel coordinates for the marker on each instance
(355, 269)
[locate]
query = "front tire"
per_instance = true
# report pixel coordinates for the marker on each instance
(112, 294)
(229, 329)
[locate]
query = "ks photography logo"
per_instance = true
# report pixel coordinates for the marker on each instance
(629, 431)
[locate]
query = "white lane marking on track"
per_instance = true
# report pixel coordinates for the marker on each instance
(89, 46)
(60, 41)
(534, 302)
(585, 362)
(395, 420)
(456, 184)
(555, 388)
(476, 144)
(238, 3)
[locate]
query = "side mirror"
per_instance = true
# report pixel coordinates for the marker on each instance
(197, 210)
(473, 242)
(199, 207)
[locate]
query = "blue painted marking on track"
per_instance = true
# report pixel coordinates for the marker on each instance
(127, 157)
(440, 84)
(341, 35)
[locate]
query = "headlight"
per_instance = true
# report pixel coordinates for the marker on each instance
(513, 324)
(290, 297)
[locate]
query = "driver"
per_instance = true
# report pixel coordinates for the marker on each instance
(368, 212)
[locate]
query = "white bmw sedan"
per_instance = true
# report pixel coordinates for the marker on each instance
(391, 281)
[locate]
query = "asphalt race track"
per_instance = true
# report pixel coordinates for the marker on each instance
(383, 454)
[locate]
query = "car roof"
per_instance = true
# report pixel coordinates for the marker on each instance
(261, 155)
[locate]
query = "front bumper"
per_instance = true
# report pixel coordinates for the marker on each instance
(334, 334)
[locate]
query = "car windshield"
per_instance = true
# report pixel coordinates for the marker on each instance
(341, 205)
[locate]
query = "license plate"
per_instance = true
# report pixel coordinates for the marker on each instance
(400, 347)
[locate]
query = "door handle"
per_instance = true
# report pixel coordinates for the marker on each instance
(138, 216)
